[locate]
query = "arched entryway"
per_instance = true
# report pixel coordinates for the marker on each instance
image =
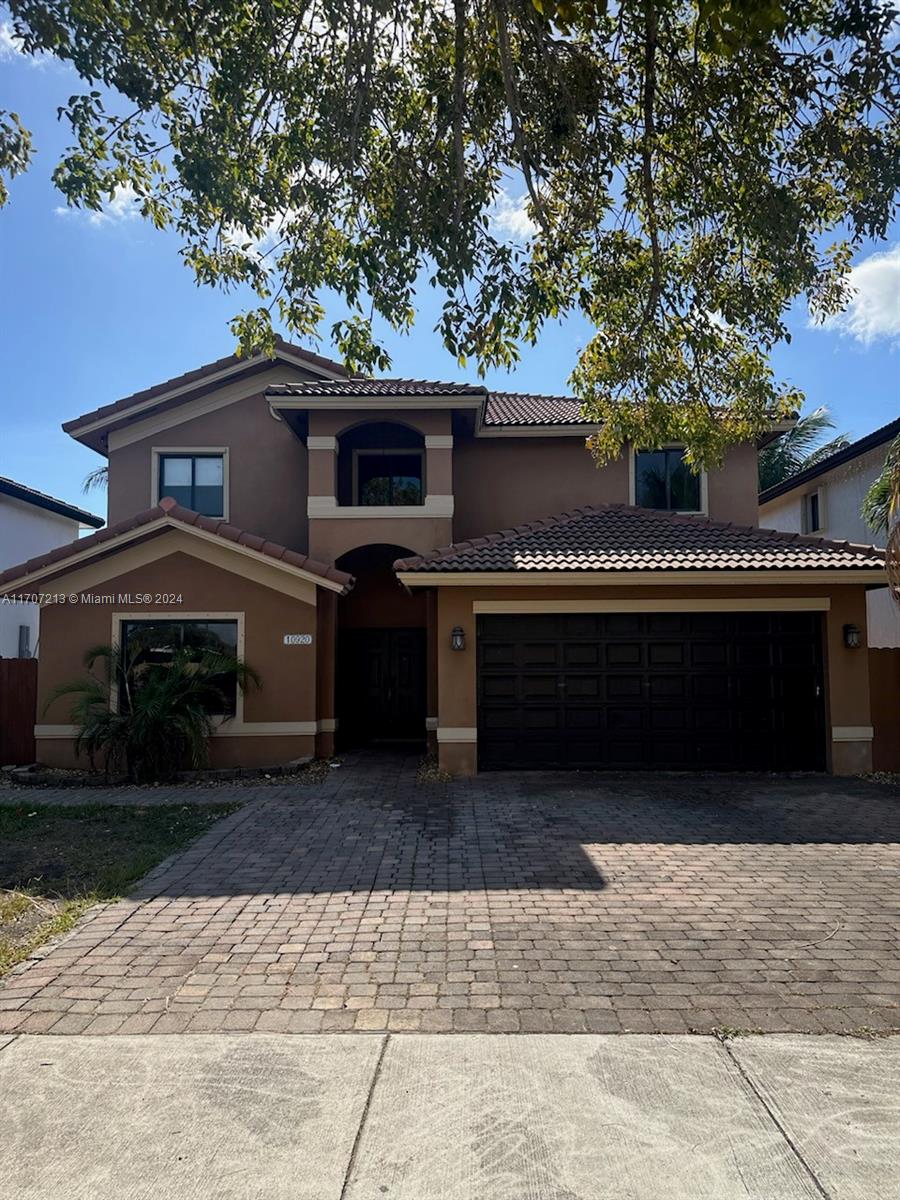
(382, 653)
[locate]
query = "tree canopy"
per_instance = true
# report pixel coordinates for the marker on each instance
(689, 169)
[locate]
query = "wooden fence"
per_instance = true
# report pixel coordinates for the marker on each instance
(18, 707)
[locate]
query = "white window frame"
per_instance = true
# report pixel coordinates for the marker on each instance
(159, 452)
(370, 452)
(702, 511)
(805, 523)
(173, 614)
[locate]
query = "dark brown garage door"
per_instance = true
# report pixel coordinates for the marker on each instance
(717, 691)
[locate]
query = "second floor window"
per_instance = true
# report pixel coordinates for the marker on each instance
(195, 481)
(663, 480)
(391, 477)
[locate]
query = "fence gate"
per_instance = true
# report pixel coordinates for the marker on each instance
(18, 708)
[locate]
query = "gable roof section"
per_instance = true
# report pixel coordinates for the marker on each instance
(871, 441)
(168, 514)
(621, 539)
(183, 387)
(19, 491)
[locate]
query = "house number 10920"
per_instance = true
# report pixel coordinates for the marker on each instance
(298, 639)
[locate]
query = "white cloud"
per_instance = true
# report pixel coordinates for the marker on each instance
(122, 205)
(874, 311)
(508, 215)
(11, 48)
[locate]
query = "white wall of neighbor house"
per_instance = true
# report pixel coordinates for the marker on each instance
(25, 532)
(841, 495)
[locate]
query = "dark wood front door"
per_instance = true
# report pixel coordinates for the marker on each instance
(708, 691)
(381, 685)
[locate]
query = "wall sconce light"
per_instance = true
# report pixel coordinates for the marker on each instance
(458, 638)
(852, 637)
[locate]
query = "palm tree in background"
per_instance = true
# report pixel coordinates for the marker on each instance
(800, 448)
(881, 512)
(96, 479)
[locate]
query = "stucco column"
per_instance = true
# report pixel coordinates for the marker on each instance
(431, 670)
(457, 735)
(326, 638)
(322, 454)
(439, 464)
(849, 711)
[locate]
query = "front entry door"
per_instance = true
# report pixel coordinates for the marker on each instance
(381, 685)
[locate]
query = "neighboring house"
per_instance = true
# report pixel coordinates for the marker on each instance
(826, 500)
(31, 523)
(633, 616)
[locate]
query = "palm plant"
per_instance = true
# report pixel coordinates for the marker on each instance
(150, 719)
(881, 512)
(798, 449)
(98, 478)
(881, 506)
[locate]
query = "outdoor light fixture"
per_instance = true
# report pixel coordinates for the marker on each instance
(458, 638)
(852, 637)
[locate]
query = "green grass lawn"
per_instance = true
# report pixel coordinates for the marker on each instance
(56, 862)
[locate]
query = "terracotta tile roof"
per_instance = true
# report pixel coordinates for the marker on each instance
(167, 508)
(19, 491)
(196, 376)
(374, 387)
(522, 408)
(618, 537)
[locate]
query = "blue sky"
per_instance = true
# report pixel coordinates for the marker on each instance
(92, 309)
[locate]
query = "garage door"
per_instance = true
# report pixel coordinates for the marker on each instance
(715, 691)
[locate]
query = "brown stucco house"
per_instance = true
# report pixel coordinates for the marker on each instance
(403, 559)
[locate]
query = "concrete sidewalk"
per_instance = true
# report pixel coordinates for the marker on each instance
(464, 1117)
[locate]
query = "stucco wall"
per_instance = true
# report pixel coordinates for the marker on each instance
(25, 532)
(288, 691)
(843, 491)
(499, 483)
(267, 463)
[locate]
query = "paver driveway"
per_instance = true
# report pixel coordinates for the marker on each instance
(514, 902)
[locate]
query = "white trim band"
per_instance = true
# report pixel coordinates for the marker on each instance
(852, 733)
(229, 729)
(452, 733)
(327, 507)
(736, 604)
(321, 442)
(327, 725)
(625, 579)
(438, 441)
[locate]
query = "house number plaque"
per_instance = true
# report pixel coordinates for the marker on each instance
(297, 639)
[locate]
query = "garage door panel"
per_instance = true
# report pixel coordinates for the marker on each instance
(624, 654)
(538, 687)
(582, 654)
(664, 687)
(681, 690)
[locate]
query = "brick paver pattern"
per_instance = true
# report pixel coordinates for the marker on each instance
(513, 902)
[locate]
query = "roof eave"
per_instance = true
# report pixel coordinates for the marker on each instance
(704, 577)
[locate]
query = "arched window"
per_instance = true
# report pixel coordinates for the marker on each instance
(381, 464)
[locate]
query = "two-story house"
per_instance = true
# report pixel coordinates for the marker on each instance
(31, 522)
(400, 557)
